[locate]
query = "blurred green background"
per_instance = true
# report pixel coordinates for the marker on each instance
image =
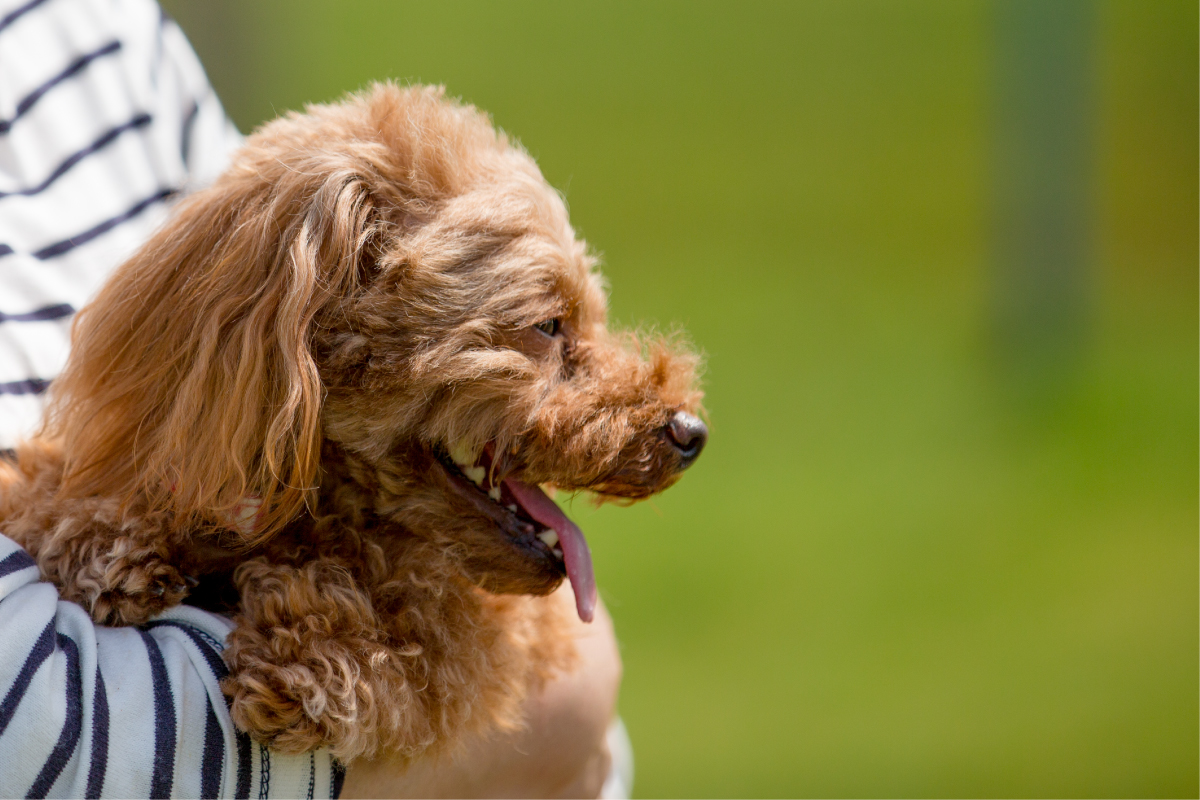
(929, 551)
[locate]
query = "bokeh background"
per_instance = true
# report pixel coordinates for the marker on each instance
(942, 259)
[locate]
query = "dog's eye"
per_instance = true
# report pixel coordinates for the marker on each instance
(550, 327)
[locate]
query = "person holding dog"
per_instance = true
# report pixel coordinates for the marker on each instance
(106, 117)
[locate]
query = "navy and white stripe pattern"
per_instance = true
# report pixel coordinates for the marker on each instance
(87, 711)
(105, 117)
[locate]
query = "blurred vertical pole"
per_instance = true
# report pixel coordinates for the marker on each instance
(1043, 186)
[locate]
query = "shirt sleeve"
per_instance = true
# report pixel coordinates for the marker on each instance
(89, 711)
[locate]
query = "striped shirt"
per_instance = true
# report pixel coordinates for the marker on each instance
(88, 711)
(105, 117)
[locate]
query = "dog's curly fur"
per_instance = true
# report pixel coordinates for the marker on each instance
(357, 295)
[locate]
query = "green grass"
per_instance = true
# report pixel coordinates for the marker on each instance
(904, 566)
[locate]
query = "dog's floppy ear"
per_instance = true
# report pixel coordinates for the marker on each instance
(191, 387)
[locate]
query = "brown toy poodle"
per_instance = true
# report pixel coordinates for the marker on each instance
(335, 381)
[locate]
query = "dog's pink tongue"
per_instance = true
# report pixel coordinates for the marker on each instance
(570, 539)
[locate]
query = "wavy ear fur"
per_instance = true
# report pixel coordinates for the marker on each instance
(191, 385)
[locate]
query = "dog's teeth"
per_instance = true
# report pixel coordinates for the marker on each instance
(494, 493)
(550, 537)
(476, 474)
(462, 455)
(512, 507)
(557, 551)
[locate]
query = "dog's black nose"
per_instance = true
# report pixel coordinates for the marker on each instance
(688, 434)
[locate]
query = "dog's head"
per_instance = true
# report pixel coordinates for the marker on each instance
(391, 281)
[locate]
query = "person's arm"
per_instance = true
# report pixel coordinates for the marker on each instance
(89, 711)
(562, 752)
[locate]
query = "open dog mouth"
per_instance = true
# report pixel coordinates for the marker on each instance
(525, 514)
